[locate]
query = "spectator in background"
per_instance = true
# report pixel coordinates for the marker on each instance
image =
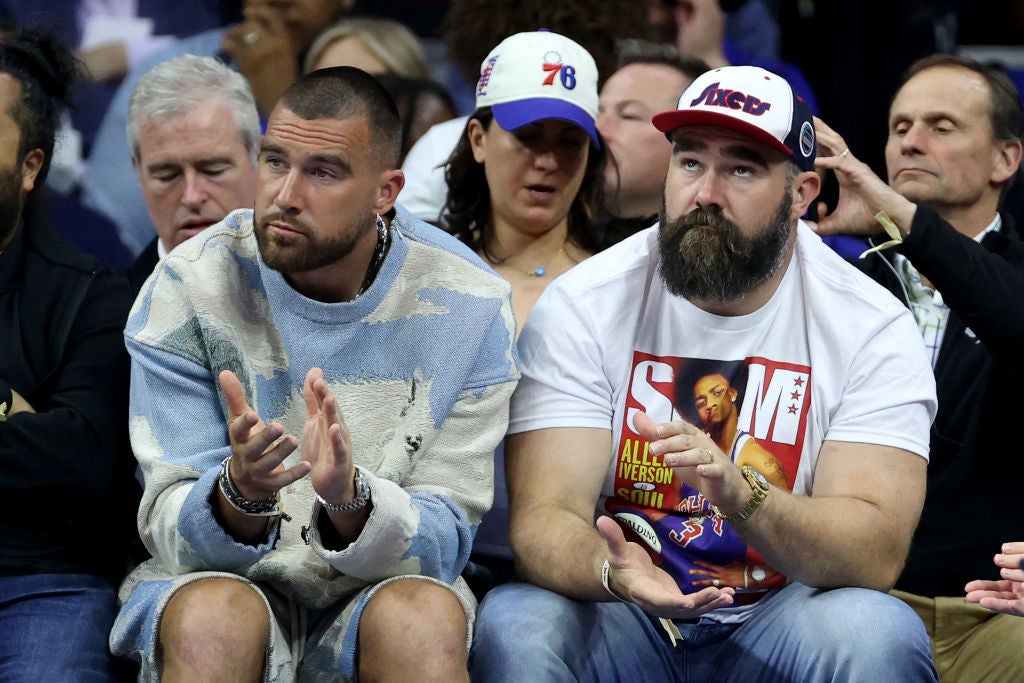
(66, 473)
(471, 29)
(194, 133)
(955, 129)
(377, 46)
(422, 104)
(266, 47)
(750, 24)
(649, 79)
(700, 32)
(112, 37)
(392, 53)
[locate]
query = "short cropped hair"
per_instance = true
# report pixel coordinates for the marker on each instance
(637, 51)
(45, 69)
(1005, 117)
(343, 92)
(180, 85)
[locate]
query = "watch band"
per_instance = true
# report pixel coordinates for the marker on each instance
(254, 508)
(759, 486)
(361, 500)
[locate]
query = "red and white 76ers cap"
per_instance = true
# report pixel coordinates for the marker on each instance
(751, 101)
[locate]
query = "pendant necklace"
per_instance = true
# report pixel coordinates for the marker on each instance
(541, 270)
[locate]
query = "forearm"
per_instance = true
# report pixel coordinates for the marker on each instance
(557, 549)
(827, 542)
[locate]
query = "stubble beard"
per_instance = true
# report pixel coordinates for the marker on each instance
(706, 257)
(307, 253)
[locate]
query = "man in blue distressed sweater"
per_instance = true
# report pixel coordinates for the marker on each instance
(318, 387)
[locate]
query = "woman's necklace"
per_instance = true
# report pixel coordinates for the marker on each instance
(539, 270)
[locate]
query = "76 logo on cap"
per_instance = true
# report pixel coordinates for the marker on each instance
(553, 67)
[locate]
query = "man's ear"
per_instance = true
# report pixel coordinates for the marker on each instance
(391, 183)
(1007, 161)
(30, 167)
(806, 187)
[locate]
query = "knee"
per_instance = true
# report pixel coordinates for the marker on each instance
(549, 628)
(412, 615)
(525, 608)
(875, 632)
(214, 616)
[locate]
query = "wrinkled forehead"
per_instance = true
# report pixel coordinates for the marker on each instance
(953, 90)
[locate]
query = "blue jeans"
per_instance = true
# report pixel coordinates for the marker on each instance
(525, 633)
(54, 627)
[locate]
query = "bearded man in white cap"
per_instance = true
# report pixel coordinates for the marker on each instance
(697, 568)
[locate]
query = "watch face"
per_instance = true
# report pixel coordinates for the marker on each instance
(758, 477)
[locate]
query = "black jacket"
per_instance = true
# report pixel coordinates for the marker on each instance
(66, 472)
(142, 267)
(972, 506)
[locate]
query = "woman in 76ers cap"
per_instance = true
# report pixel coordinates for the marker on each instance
(525, 180)
(525, 183)
(751, 101)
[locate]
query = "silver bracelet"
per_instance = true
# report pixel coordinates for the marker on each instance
(254, 508)
(361, 500)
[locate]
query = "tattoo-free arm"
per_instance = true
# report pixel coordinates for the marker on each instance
(855, 528)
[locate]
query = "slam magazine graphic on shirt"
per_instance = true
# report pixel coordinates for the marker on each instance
(756, 412)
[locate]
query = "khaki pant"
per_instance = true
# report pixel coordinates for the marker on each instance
(970, 643)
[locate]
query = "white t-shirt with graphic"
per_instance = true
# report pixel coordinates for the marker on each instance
(831, 356)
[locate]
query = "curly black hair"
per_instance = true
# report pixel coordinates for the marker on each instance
(46, 70)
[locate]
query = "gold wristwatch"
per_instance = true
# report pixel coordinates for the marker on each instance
(760, 491)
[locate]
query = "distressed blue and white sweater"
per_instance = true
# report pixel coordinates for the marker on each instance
(422, 365)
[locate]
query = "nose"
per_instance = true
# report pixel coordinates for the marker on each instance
(709, 194)
(912, 139)
(288, 196)
(195, 190)
(545, 159)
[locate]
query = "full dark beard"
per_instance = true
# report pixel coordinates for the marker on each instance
(705, 256)
(312, 253)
